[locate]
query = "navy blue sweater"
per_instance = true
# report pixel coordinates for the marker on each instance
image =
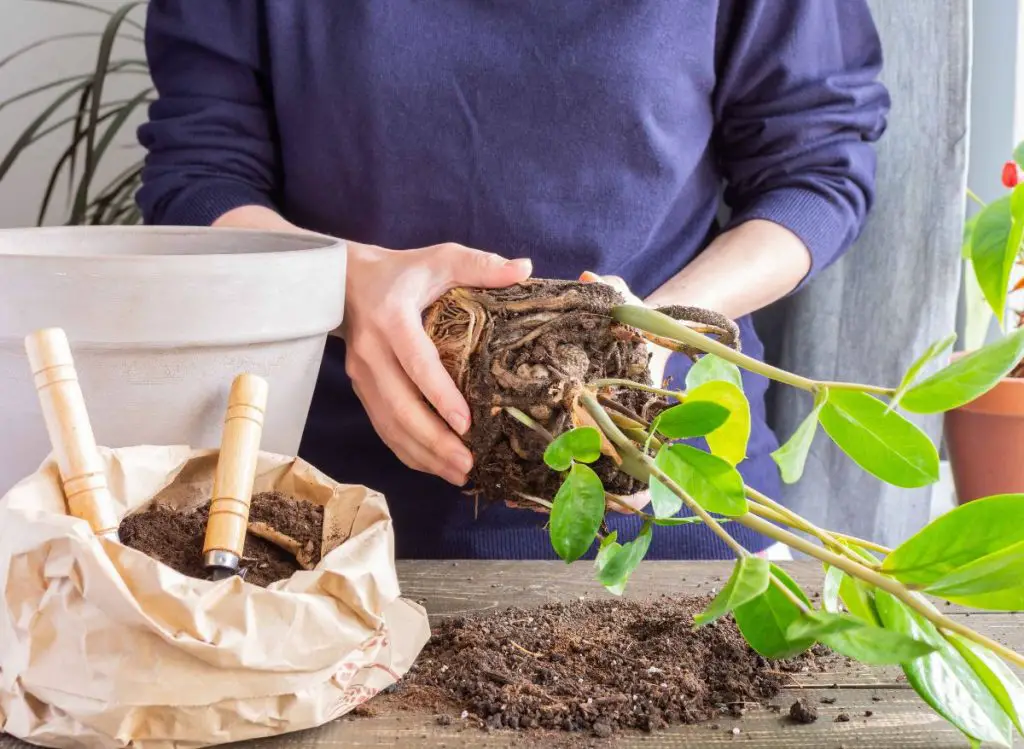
(585, 135)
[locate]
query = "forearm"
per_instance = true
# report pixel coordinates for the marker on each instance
(741, 271)
(254, 217)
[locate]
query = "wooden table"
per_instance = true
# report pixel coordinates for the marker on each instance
(899, 718)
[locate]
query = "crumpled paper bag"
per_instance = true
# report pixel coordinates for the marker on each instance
(102, 646)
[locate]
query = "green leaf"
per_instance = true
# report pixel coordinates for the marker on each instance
(764, 621)
(664, 501)
(615, 562)
(965, 248)
(1000, 572)
(944, 679)
(880, 441)
(729, 441)
(792, 456)
(691, 419)
(750, 578)
(830, 589)
(933, 351)
(967, 378)
(858, 599)
(582, 445)
(1018, 154)
(958, 538)
(857, 639)
(576, 513)
(989, 256)
(711, 368)
(712, 482)
(1002, 683)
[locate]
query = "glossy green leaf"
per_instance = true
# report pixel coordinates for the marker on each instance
(857, 597)
(965, 248)
(664, 502)
(1002, 683)
(730, 440)
(880, 441)
(999, 575)
(967, 378)
(830, 589)
(616, 562)
(944, 679)
(712, 482)
(764, 621)
(791, 457)
(910, 376)
(750, 578)
(582, 445)
(711, 368)
(989, 257)
(957, 539)
(855, 638)
(691, 419)
(576, 513)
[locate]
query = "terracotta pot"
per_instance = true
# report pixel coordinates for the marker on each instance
(985, 441)
(161, 320)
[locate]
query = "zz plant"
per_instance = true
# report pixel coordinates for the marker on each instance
(877, 605)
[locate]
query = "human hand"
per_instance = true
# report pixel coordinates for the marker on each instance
(659, 356)
(392, 362)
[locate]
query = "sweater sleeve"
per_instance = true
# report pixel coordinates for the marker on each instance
(798, 107)
(209, 137)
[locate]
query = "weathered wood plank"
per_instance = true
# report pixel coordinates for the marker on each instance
(898, 719)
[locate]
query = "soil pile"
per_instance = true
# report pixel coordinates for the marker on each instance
(533, 347)
(176, 538)
(594, 666)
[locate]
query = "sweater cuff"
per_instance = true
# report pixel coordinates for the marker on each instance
(203, 205)
(817, 221)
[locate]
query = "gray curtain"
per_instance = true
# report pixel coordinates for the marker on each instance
(869, 316)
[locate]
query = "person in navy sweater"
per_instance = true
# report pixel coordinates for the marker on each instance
(461, 142)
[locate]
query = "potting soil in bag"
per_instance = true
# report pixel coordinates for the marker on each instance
(102, 646)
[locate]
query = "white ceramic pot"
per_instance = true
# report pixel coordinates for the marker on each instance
(160, 321)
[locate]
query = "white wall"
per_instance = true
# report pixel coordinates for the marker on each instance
(23, 22)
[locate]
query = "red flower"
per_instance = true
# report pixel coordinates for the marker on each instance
(1011, 174)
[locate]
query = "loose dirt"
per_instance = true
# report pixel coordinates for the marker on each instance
(590, 668)
(176, 538)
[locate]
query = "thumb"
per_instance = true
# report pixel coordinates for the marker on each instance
(486, 270)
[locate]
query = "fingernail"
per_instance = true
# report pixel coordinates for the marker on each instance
(523, 265)
(458, 422)
(588, 277)
(463, 462)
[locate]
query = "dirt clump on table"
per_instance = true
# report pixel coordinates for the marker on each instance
(590, 667)
(533, 347)
(176, 538)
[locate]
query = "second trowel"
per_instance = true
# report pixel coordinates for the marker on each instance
(235, 476)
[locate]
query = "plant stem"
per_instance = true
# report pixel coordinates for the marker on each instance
(788, 517)
(971, 194)
(882, 582)
(620, 383)
(626, 445)
(660, 324)
(874, 389)
(538, 500)
(526, 421)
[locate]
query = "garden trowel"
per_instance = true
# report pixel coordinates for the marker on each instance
(234, 477)
(82, 471)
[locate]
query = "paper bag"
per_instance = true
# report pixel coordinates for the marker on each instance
(102, 646)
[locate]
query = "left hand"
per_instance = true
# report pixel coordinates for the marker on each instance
(659, 356)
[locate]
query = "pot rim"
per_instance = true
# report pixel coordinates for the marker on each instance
(302, 241)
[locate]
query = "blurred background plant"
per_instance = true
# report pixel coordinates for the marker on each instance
(88, 111)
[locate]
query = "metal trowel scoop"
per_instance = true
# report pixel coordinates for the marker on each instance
(235, 475)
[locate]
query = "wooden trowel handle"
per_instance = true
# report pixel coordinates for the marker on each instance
(236, 466)
(74, 447)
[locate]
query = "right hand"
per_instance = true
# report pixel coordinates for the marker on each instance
(392, 362)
